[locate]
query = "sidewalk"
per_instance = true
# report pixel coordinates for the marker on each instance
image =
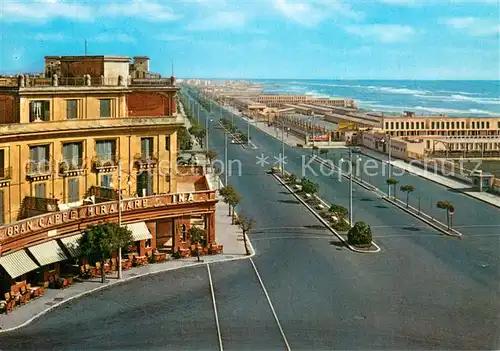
(226, 234)
(437, 178)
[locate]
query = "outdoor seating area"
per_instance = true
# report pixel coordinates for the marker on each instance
(20, 294)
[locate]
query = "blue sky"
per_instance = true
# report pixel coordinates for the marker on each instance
(377, 39)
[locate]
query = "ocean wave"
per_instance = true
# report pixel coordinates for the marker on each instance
(389, 90)
(457, 92)
(461, 98)
(434, 110)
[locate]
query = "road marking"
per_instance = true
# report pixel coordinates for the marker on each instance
(271, 305)
(326, 237)
(215, 308)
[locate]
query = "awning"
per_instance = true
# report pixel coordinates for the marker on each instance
(139, 231)
(47, 253)
(17, 263)
(71, 244)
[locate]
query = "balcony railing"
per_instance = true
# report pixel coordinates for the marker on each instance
(71, 165)
(5, 173)
(152, 81)
(101, 162)
(145, 161)
(38, 168)
(34, 206)
(102, 194)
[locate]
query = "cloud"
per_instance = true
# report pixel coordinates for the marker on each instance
(310, 14)
(108, 37)
(410, 3)
(147, 10)
(171, 37)
(48, 36)
(220, 20)
(44, 11)
(384, 33)
(473, 26)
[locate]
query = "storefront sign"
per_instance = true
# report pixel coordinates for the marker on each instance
(50, 220)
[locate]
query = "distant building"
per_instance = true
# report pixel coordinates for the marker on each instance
(271, 99)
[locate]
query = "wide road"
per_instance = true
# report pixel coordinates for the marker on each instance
(424, 291)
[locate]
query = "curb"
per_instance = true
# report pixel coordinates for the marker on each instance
(325, 223)
(384, 196)
(456, 234)
(125, 280)
(432, 180)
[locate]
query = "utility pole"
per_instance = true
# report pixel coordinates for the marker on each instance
(389, 158)
(350, 190)
(85, 47)
(120, 217)
(225, 158)
(283, 148)
(248, 131)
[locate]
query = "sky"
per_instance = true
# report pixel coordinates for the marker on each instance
(284, 39)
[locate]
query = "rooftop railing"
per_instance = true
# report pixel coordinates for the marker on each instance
(25, 81)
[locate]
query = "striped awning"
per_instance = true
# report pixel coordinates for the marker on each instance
(47, 253)
(17, 263)
(139, 231)
(71, 244)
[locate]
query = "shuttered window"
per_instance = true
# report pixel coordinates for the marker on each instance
(40, 190)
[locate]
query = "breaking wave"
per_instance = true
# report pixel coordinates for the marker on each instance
(433, 110)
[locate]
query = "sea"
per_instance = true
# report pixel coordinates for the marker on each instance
(453, 98)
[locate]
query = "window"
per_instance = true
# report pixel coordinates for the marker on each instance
(1, 207)
(105, 107)
(463, 124)
(482, 125)
(39, 159)
(147, 243)
(73, 155)
(39, 111)
(447, 125)
(145, 184)
(73, 190)
(488, 125)
(432, 125)
(71, 109)
(422, 125)
(392, 125)
(106, 180)
(147, 148)
(40, 190)
(452, 125)
(106, 150)
(473, 125)
(167, 143)
(3, 173)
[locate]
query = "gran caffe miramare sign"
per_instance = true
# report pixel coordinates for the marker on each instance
(45, 222)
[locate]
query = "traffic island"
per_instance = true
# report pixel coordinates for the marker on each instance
(320, 209)
(429, 220)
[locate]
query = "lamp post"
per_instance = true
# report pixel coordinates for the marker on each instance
(119, 217)
(248, 131)
(388, 141)
(350, 188)
(225, 158)
(282, 148)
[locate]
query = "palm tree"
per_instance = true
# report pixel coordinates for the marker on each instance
(393, 182)
(450, 209)
(233, 201)
(407, 189)
(211, 154)
(196, 236)
(100, 241)
(308, 186)
(246, 224)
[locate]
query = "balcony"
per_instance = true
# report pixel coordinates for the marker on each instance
(34, 206)
(73, 167)
(102, 194)
(152, 82)
(105, 164)
(38, 170)
(145, 161)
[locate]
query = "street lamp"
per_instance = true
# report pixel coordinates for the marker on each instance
(350, 187)
(388, 141)
(120, 199)
(283, 148)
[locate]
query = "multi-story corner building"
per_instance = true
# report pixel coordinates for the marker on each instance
(70, 140)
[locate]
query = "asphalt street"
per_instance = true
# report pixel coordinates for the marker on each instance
(423, 291)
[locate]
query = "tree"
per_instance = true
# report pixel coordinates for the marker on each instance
(230, 197)
(246, 224)
(292, 178)
(233, 201)
(196, 236)
(393, 182)
(324, 152)
(211, 154)
(448, 206)
(184, 139)
(360, 234)
(339, 211)
(308, 186)
(198, 132)
(100, 241)
(407, 189)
